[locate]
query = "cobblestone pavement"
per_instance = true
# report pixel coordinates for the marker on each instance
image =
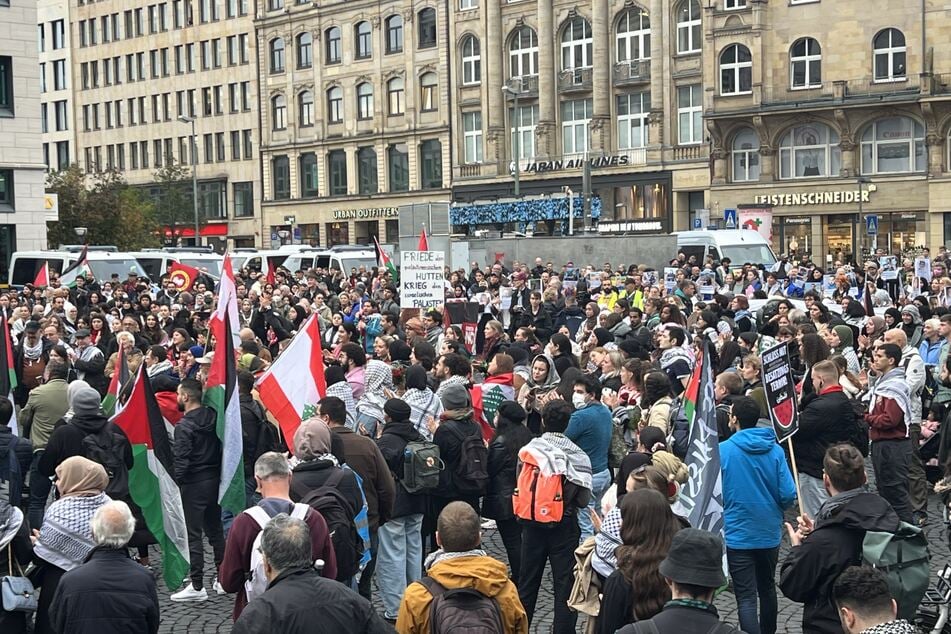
(214, 615)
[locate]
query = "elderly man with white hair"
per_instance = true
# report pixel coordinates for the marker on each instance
(109, 592)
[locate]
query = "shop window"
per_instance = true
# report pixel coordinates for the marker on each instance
(746, 158)
(894, 145)
(809, 151)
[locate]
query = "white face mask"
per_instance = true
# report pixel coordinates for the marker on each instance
(578, 400)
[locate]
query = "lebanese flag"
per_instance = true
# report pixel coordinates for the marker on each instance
(42, 279)
(486, 398)
(182, 275)
(295, 383)
(423, 241)
(120, 378)
(221, 392)
(150, 479)
(8, 375)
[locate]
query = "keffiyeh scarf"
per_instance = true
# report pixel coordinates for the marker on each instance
(66, 536)
(893, 385)
(378, 376)
(555, 454)
(672, 355)
(344, 392)
(33, 352)
(441, 555)
(422, 403)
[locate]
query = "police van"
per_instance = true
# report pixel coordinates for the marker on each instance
(104, 261)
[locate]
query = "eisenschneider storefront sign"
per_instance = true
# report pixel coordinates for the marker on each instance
(366, 214)
(814, 198)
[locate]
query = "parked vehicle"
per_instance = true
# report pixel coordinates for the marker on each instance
(104, 261)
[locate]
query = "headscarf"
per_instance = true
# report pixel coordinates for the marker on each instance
(312, 440)
(71, 391)
(896, 316)
(551, 381)
(845, 339)
(878, 327)
(79, 476)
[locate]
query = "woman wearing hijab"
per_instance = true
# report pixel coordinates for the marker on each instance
(591, 314)
(892, 318)
(337, 386)
(874, 330)
(911, 324)
(421, 400)
(15, 553)
(66, 537)
(839, 339)
(538, 391)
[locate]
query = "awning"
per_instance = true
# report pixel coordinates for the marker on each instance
(206, 231)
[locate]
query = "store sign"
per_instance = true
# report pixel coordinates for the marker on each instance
(366, 214)
(797, 220)
(815, 198)
(641, 226)
(599, 161)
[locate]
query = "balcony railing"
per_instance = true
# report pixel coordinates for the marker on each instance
(690, 152)
(869, 88)
(574, 79)
(632, 72)
(524, 86)
(941, 84)
(471, 170)
(635, 156)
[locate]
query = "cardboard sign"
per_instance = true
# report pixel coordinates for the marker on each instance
(422, 279)
(780, 389)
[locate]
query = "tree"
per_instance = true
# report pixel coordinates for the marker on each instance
(174, 207)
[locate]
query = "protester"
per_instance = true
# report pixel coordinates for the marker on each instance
(590, 429)
(461, 478)
(46, 404)
(866, 604)
(15, 552)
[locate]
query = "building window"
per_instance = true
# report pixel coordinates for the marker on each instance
(736, 70)
(523, 53)
(429, 100)
(59, 33)
(394, 34)
(468, 4)
(472, 136)
(62, 155)
(275, 5)
(365, 101)
(689, 112)
(809, 151)
(41, 34)
(59, 74)
(335, 104)
(805, 63)
(893, 145)
(277, 55)
(6, 86)
(471, 61)
(337, 167)
(576, 45)
(430, 160)
(7, 201)
(278, 112)
(575, 117)
(61, 119)
(634, 36)
(632, 113)
(524, 120)
(426, 23)
(688, 27)
(308, 175)
(305, 109)
(397, 161)
(889, 55)
(243, 200)
(395, 96)
(746, 161)
(366, 171)
(333, 45)
(281, 177)
(363, 33)
(305, 50)
(729, 5)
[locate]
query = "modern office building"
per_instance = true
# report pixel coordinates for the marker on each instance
(56, 83)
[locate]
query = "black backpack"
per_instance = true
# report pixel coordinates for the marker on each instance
(268, 436)
(461, 610)
(107, 447)
(336, 511)
(679, 426)
(471, 475)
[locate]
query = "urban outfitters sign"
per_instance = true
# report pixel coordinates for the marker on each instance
(815, 198)
(422, 279)
(366, 214)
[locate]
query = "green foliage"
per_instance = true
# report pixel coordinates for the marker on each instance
(173, 201)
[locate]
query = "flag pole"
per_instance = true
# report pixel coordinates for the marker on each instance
(795, 473)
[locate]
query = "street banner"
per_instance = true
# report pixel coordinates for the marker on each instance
(421, 279)
(780, 390)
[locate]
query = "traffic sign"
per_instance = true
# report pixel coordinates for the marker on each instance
(729, 215)
(698, 223)
(871, 224)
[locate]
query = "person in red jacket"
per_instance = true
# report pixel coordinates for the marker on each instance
(272, 472)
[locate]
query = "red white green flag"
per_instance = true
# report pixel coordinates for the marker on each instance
(383, 260)
(8, 375)
(150, 480)
(77, 269)
(42, 279)
(120, 379)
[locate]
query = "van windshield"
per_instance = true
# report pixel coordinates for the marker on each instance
(210, 265)
(356, 263)
(752, 253)
(104, 269)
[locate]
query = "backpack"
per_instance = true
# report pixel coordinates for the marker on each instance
(335, 509)
(421, 467)
(471, 476)
(648, 627)
(256, 583)
(679, 426)
(537, 497)
(268, 438)
(903, 557)
(461, 610)
(11, 479)
(106, 447)
(859, 436)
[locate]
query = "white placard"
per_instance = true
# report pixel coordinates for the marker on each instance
(422, 274)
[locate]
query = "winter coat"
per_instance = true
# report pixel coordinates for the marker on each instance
(66, 441)
(22, 450)
(676, 618)
(312, 474)
(450, 452)
(108, 594)
(392, 443)
(45, 405)
(363, 456)
(300, 601)
(825, 420)
(757, 487)
(196, 449)
(810, 569)
(93, 370)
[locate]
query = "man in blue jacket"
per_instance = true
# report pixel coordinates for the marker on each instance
(590, 428)
(757, 487)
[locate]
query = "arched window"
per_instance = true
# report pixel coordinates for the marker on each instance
(426, 24)
(889, 52)
(278, 112)
(894, 145)
(688, 27)
(333, 44)
(363, 34)
(809, 150)
(305, 109)
(523, 53)
(276, 48)
(736, 70)
(634, 36)
(471, 61)
(576, 45)
(428, 83)
(394, 34)
(746, 160)
(305, 50)
(365, 101)
(805, 63)
(395, 96)
(335, 105)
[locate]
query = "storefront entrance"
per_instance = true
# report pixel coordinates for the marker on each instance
(840, 237)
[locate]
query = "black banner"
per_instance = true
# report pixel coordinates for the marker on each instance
(780, 391)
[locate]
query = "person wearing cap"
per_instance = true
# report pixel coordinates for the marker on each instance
(204, 366)
(29, 360)
(693, 569)
(89, 362)
(455, 426)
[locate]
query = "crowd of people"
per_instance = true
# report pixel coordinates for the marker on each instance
(551, 417)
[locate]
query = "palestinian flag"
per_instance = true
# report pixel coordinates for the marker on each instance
(150, 480)
(120, 379)
(221, 392)
(8, 375)
(42, 279)
(384, 261)
(79, 268)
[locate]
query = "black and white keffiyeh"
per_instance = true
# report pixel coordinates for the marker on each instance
(66, 536)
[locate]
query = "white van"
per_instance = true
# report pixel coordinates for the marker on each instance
(338, 258)
(104, 261)
(259, 260)
(742, 246)
(156, 261)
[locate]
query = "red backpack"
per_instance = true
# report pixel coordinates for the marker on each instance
(537, 497)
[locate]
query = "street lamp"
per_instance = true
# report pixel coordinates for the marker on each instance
(516, 141)
(81, 233)
(186, 119)
(863, 181)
